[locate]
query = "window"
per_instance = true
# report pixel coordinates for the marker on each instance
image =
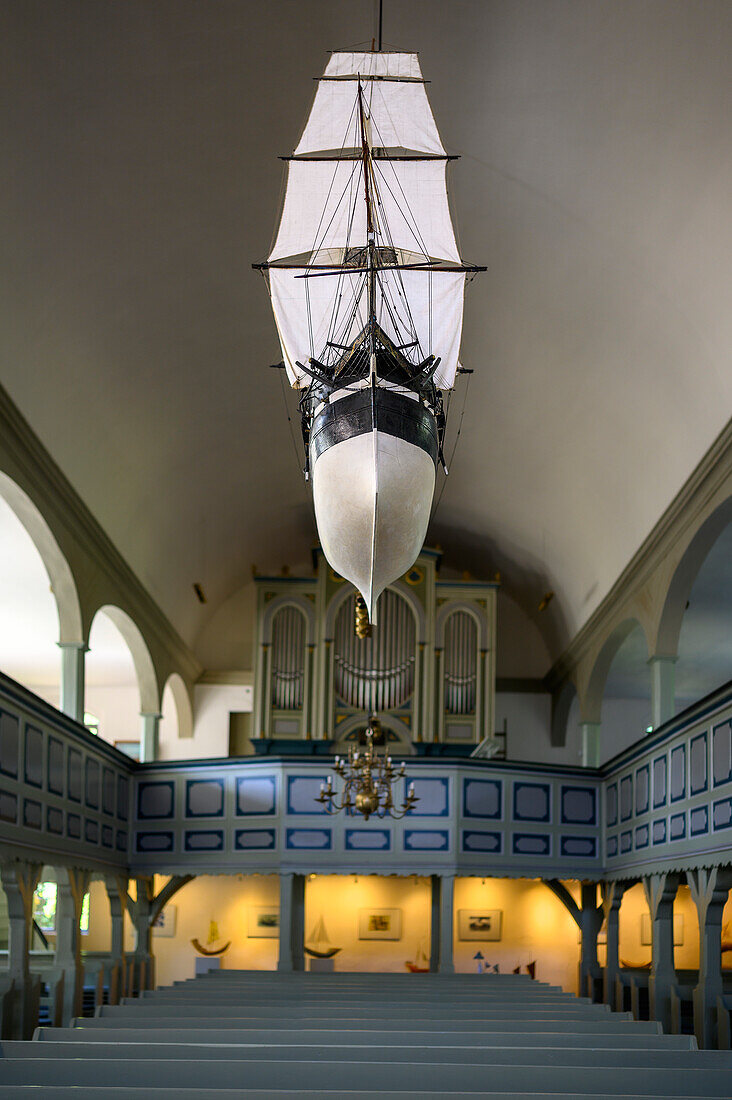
(44, 908)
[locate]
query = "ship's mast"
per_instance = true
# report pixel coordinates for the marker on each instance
(370, 234)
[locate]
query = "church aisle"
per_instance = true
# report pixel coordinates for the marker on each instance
(258, 1034)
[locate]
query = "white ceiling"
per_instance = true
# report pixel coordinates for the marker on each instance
(141, 179)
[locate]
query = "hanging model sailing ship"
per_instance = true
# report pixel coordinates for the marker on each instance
(367, 289)
(318, 945)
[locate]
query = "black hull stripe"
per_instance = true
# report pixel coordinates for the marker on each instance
(391, 413)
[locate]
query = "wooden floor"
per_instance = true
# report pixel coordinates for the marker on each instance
(260, 1035)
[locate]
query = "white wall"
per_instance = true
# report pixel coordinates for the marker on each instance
(624, 721)
(527, 716)
(212, 705)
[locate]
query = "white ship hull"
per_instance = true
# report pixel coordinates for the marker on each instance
(373, 494)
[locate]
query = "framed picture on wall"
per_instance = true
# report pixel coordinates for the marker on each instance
(379, 924)
(480, 924)
(165, 922)
(264, 922)
(645, 929)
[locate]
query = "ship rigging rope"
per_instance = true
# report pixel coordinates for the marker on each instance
(454, 446)
(412, 328)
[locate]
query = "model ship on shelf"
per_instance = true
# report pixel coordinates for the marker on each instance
(421, 962)
(367, 289)
(318, 945)
(211, 949)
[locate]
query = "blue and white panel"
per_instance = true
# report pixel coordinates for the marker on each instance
(433, 795)
(698, 773)
(660, 784)
(699, 821)
(611, 805)
(156, 799)
(203, 840)
(302, 792)
(578, 805)
(578, 847)
(426, 840)
(9, 744)
(312, 840)
(532, 844)
(368, 840)
(722, 754)
(204, 798)
(255, 840)
(626, 798)
(483, 798)
(531, 801)
(642, 789)
(722, 814)
(153, 842)
(482, 842)
(677, 784)
(56, 766)
(256, 796)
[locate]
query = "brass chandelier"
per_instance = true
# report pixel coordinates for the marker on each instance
(368, 777)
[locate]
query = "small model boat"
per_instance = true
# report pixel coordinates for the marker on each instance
(213, 936)
(319, 945)
(421, 963)
(367, 287)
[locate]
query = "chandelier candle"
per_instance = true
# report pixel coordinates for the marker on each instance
(367, 289)
(368, 778)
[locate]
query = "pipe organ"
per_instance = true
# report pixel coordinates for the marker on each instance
(427, 669)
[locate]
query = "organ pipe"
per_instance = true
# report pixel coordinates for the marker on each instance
(460, 663)
(288, 659)
(376, 673)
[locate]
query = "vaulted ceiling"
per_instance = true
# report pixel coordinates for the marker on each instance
(140, 179)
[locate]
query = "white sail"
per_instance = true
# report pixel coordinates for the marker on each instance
(435, 305)
(324, 211)
(323, 219)
(402, 66)
(400, 113)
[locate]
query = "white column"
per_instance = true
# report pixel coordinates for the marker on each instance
(72, 679)
(663, 689)
(590, 744)
(149, 736)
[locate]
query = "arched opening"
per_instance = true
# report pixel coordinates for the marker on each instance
(120, 680)
(618, 695)
(705, 636)
(176, 722)
(38, 602)
(626, 702)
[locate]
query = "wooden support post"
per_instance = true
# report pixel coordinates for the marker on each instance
(441, 937)
(710, 889)
(19, 881)
(588, 917)
(72, 886)
(116, 887)
(292, 922)
(612, 897)
(660, 892)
